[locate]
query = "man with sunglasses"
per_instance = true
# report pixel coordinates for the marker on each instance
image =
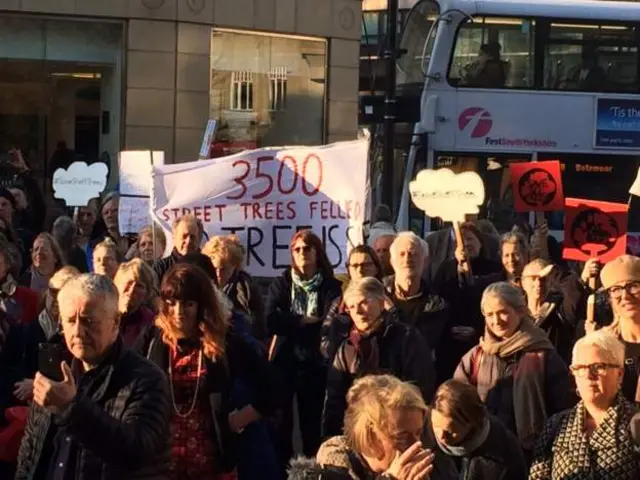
(621, 280)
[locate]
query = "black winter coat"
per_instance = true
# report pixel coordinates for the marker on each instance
(163, 265)
(241, 362)
(120, 425)
(402, 352)
(292, 335)
(247, 299)
(498, 458)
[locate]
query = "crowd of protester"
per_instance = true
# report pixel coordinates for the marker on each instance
(431, 360)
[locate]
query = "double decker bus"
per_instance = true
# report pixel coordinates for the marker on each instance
(502, 81)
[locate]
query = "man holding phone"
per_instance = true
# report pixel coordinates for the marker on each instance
(107, 416)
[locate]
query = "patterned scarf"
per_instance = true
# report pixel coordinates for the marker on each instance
(304, 294)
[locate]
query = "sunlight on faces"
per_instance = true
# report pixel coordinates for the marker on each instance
(501, 318)
(365, 312)
(110, 214)
(183, 314)
(304, 256)
(448, 431)
(533, 284)
(408, 425)
(513, 259)
(105, 262)
(408, 259)
(148, 253)
(224, 269)
(597, 388)
(360, 266)
(186, 238)
(625, 300)
(132, 292)
(42, 254)
(89, 325)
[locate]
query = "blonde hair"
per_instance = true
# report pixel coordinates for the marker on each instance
(225, 247)
(371, 400)
(606, 342)
(108, 244)
(156, 233)
(142, 273)
(62, 276)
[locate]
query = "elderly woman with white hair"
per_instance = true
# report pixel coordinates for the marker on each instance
(517, 372)
(377, 343)
(594, 438)
(409, 291)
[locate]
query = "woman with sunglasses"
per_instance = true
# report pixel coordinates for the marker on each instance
(621, 280)
(297, 303)
(593, 439)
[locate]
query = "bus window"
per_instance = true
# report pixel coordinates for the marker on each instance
(419, 24)
(493, 52)
(591, 57)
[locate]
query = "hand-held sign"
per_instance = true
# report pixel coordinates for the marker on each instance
(52, 395)
(442, 193)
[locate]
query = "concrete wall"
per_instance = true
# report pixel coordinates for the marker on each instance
(167, 68)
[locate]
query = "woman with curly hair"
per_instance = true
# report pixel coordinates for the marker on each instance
(191, 341)
(227, 255)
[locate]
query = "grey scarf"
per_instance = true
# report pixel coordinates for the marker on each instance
(468, 446)
(49, 327)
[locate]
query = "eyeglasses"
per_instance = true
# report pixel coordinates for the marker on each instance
(305, 249)
(592, 370)
(632, 288)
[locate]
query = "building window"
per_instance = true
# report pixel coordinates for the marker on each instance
(266, 90)
(242, 91)
(277, 89)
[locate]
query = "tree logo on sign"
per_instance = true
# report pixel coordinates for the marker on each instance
(594, 232)
(537, 187)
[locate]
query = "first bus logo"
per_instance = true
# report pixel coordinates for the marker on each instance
(476, 121)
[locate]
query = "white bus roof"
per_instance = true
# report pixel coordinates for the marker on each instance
(593, 10)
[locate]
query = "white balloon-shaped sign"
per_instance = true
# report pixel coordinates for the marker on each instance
(442, 193)
(79, 183)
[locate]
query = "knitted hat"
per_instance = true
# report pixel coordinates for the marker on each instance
(5, 193)
(625, 268)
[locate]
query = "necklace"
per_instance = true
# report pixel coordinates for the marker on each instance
(195, 395)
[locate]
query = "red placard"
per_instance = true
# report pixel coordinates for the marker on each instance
(537, 186)
(594, 230)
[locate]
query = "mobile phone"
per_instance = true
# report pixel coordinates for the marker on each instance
(50, 356)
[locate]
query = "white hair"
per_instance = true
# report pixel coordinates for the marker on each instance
(91, 287)
(369, 287)
(604, 341)
(415, 239)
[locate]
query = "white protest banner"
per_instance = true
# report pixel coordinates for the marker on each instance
(264, 196)
(442, 193)
(135, 188)
(79, 183)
